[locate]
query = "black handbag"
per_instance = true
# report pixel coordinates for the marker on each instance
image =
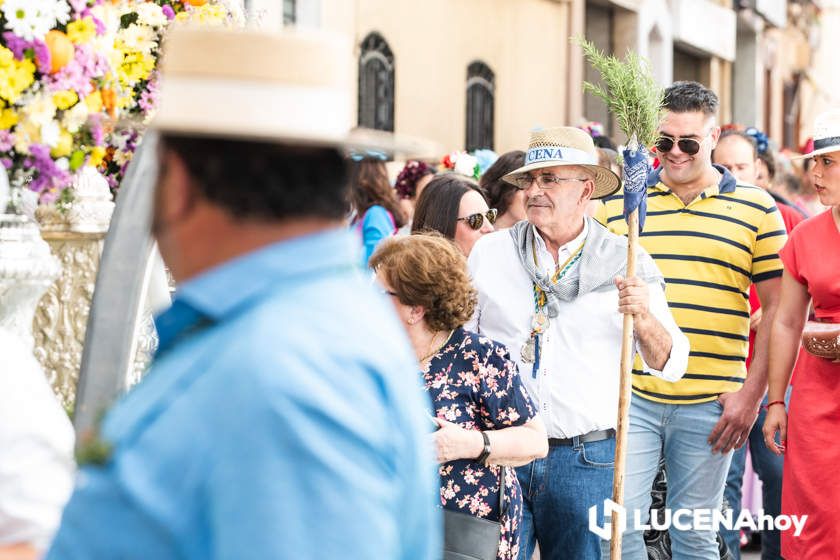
(467, 537)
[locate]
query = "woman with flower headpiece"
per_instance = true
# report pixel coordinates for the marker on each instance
(378, 214)
(807, 431)
(410, 183)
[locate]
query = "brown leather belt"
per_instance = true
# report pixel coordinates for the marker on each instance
(598, 435)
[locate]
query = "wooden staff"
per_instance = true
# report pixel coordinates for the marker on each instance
(627, 356)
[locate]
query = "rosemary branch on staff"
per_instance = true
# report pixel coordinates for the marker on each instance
(629, 91)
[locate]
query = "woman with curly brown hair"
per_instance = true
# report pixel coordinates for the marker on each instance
(378, 212)
(487, 422)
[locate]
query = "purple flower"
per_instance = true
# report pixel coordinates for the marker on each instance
(7, 162)
(168, 12)
(42, 56)
(19, 46)
(79, 6)
(86, 65)
(95, 124)
(49, 177)
(149, 97)
(16, 44)
(7, 140)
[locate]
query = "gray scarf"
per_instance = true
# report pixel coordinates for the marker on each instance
(603, 258)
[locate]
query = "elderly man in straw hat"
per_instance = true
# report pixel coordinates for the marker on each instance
(552, 289)
(282, 417)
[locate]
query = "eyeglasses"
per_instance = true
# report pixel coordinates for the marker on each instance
(475, 221)
(689, 146)
(545, 182)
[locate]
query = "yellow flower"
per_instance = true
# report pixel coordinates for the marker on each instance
(15, 75)
(64, 146)
(213, 14)
(135, 66)
(94, 102)
(65, 99)
(97, 154)
(81, 30)
(26, 133)
(8, 119)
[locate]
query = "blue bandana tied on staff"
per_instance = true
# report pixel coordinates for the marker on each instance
(636, 169)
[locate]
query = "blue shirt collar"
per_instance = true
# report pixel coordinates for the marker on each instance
(236, 284)
(726, 185)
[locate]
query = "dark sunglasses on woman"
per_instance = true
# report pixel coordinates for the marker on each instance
(688, 146)
(475, 221)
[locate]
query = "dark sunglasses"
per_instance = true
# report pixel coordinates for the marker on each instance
(688, 146)
(475, 221)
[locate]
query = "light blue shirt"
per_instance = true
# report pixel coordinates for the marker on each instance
(377, 225)
(282, 418)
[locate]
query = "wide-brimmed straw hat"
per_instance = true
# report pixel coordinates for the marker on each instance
(566, 145)
(290, 87)
(826, 134)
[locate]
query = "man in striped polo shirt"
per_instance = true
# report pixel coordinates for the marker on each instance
(710, 238)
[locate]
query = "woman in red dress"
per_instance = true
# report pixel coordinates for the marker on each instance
(808, 431)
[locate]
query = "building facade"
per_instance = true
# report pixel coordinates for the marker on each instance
(472, 74)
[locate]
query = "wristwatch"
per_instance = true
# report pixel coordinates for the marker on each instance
(486, 451)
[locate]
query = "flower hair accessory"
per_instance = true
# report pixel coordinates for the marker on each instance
(761, 140)
(463, 163)
(593, 128)
(413, 171)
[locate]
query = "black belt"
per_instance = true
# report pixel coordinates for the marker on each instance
(585, 438)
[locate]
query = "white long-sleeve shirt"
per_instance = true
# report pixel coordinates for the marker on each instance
(36, 449)
(577, 384)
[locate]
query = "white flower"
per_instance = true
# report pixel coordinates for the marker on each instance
(465, 164)
(75, 117)
(26, 18)
(59, 10)
(40, 110)
(50, 133)
(31, 19)
(150, 13)
(63, 164)
(139, 38)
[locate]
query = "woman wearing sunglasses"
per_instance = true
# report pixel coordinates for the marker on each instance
(487, 422)
(454, 206)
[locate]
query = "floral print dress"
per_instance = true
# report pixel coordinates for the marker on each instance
(473, 382)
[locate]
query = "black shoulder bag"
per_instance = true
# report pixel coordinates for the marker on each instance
(467, 537)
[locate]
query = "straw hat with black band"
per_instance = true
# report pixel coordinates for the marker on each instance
(566, 145)
(291, 87)
(826, 134)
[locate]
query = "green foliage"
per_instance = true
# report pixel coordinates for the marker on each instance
(629, 91)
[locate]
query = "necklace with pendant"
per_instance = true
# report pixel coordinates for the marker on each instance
(438, 348)
(530, 352)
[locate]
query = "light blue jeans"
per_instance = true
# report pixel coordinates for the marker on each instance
(696, 477)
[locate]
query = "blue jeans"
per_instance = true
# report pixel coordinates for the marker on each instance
(558, 492)
(768, 466)
(695, 476)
